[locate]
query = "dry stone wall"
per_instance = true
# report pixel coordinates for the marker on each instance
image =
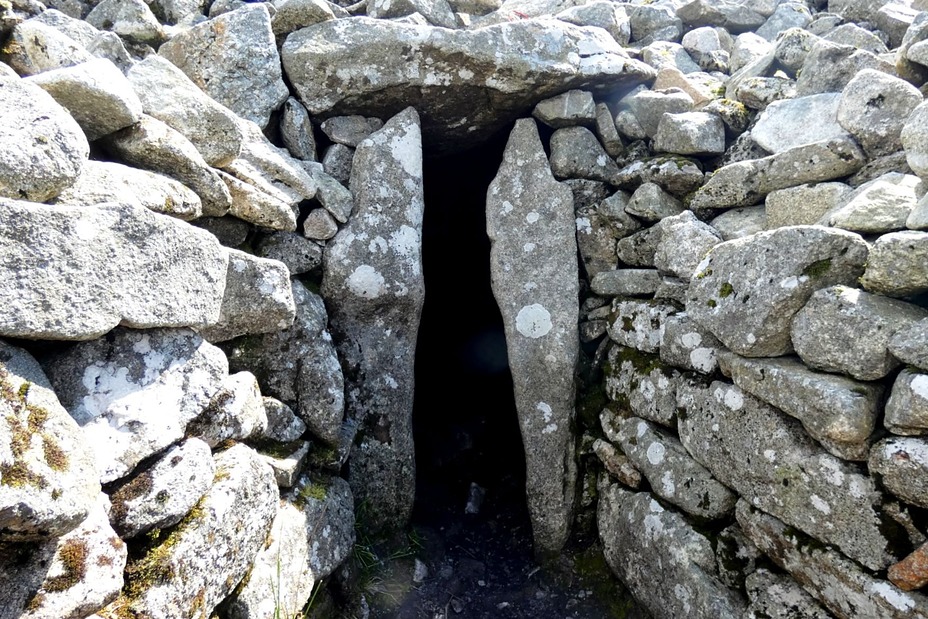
(710, 213)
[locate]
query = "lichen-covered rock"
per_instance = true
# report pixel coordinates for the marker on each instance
(296, 130)
(130, 19)
(673, 474)
(651, 203)
(312, 534)
(847, 330)
(319, 225)
(48, 483)
(735, 556)
(300, 254)
(617, 464)
(774, 596)
(738, 223)
(746, 291)
(687, 345)
(134, 392)
(883, 204)
(235, 412)
(576, 153)
(835, 581)
(626, 282)
(639, 324)
(638, 249)
(470, 83)
(676, 174)
(42, 148)
(641, 384)
(647, 108)
(286, 461)
(158, 497)
(55, 260)
(690, 133)
(646, 544)
(902, 467)
(574, 107)
(350, 130)
(292, 15)
(838, 412)
(283, 425)
(65, 577)
(785, 124)
(667, 54)
(598, 229)
(533, 269)
(684, 242)
(767, 458)
(914, 139)
(192, 567)
(34, 47)
(804, 204)
(907, 408)
(910, 344)
(234, 59)
(272, 211)
(170, 96)
(896, 266)
(828, 67)
(874, 107)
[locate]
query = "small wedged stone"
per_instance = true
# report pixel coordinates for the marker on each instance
(192, 567)
(283, 426)
(287, 461)
(56, 259)
(574, 107)
(638, 249)
(767, 458)
(153, 145)
(669, 55)
(907, 408)
(297, 252)
(617, 464)
(881, 205)
(160, 496)
(606, 132)
(910, 344)
(319, 225)
(690, 133)
(760, 91)
(292, 15)
(274, 166)
(838, 583)
(914, 139)
(333, 196)
(639, 324)
(684, 242)
(687, 345)
(676, 174)
(733, 16)
(785, 124)
(625, 282)
(736, 557)
(257, 207)
(47, 486)
(103, 181)
(641, 384)
(576, 153)
(672, 473)
(804, 204)
(912, 572)
(96, 93)
(42, 148)
(701, 87)
(350, 130)
(134, 392)
(847, 330)
(838, 412)
(644, 544)
(738, 223)
(34, 47)
(654, 23)
(775, 596)
(792, 48)
(170, 96)
(229, 231)
(235, 412)
(296, 130)
(747, 182)
(746, 291)
(337, 162)
(874, 107)
(896, 266)
(252, 86)
(787, 15)
(132, 20)
(649, 106)
(902, 467)
(598, 228)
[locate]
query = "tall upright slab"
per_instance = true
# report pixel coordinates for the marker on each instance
(373, 286)
(533, 262)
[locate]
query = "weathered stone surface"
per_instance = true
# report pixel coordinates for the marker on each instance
(534, 276)
(747, 182)
(738, 223)
(297, 252)
(914, 138)
(874, 107)
(638, 249)
(312, 534)
(319, 225)
(666, 55)
(673, 474)
(759, 92)
(896, 266)
(838, 412)
(292, 15)
(252, 86)
(803, 205)
(907, 408)
(230, 231)
(42, 148)
(283, 426)
(768, 459)
(733, 16)
(574, 107)
(462, 82)
(48, 484)
(691, 133)
(667, 565)
(68, 24)
(747, 291)
(684, 242)
(576, 153)
(787, 15)
(235, 412)
(792, 48)
(598, 227)
(829, 67)
(96, 93)
(153, 145)
(296, 130)
(676, 174)
(785, 124)
(639, 324)
(641, 384)
(130, 19)
(774, 596)
(160, 496)
(57, 259)
(902, 467)
(910, 344)
(314, 386)
(881, 205)
(847, 330)
(170, 96)
(372, 280)
(648, 108)
(337, 162)
(651, 203)
(133, 393)
(70, 576)
(836, 582)
(735, 556)
(195, 565)
(654, 23)
(617, 464)
(912, 572)
(287, 461)
(626, 282)
(687, 345)
(332, 195)
(273, 211)
(606, 131)
(855, 36)
(102, 181)
(350, 130)
(34, 47)
(603, 14)
(701, 87)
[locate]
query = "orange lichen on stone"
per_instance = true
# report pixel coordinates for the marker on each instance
(912, 572)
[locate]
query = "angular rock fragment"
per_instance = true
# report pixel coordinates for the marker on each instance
(639, 324)
(292, 15)
(691, 133)
(235, 412)
(617, 464)
(652, 204)
(296, 130)
(785, 124)
(907, 408)
(34, 47)
(738, 223)
(678, 175)
(774, 596)
(576, 153)
(130, 19)
(829, 67)
(912, 572)
(910, 344)
(902, 467)
(286, 461)
(804, 204)
(687, 345)
(914, 138)
(297, 252)
(350, 130)
(896, 266)
(874, 107)
(625, 282)
(881, 205)
(319, 225)
(272, 211)
(574, 107)
(684, 242)
(641, 384)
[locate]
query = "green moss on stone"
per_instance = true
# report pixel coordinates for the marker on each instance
(73, 556)
(726, 290)
(817, 269)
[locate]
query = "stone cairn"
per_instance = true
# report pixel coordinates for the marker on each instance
(710, 212)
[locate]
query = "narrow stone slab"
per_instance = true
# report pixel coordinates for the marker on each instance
(768, 459)
(907, 408)
(774, 596)
(55, 260)
(639, 324)
(910, 344)
(533, 268)
(372, 281)
(902, 466)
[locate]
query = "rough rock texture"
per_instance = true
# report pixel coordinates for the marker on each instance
(883, 204)
(803, 205)
(373, 282)
(55, 260)
(273, 211)
(847, 330)
(769, 460)
(377, 67)
(907, 408)
(576, 153)
(691, 133)
(747, 291)
(914, 139)
(283, 426)
(626, 282)
(902, 466)
(785, 124)
(684, 242)
(874, 106)
(738, 223)
(651, 203)
(639, 324)
(134, 392)
(634, 529)
(42, 148)
(195, 565)
(910, 344)
(130, 19)
(297, 252)
(48, 483)
(641, 384)
(533, 269)
(836, 582)
(896, 266)
(574, 107)
(252, 86)
(912, 572)
(687, 345)
(775, 596)
(34, 47)
(235, 412)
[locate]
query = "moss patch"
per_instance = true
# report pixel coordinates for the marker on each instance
(726, 290)
(73, 556)
(817, 269)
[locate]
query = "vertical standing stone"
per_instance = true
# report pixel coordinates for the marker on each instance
(373, 284)
(530, 221)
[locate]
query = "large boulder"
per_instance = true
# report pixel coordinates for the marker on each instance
(467, 84)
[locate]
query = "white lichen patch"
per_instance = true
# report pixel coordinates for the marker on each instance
(366, 282)
(533, 321)
(703, 359)
(550, 428)
(584, 226)
(691, 340)
(545, 409)
(528, 248)
(733, 400)
(919, 386)
(656, 453)
(820, 504)
(532, 217)
(405, 242)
